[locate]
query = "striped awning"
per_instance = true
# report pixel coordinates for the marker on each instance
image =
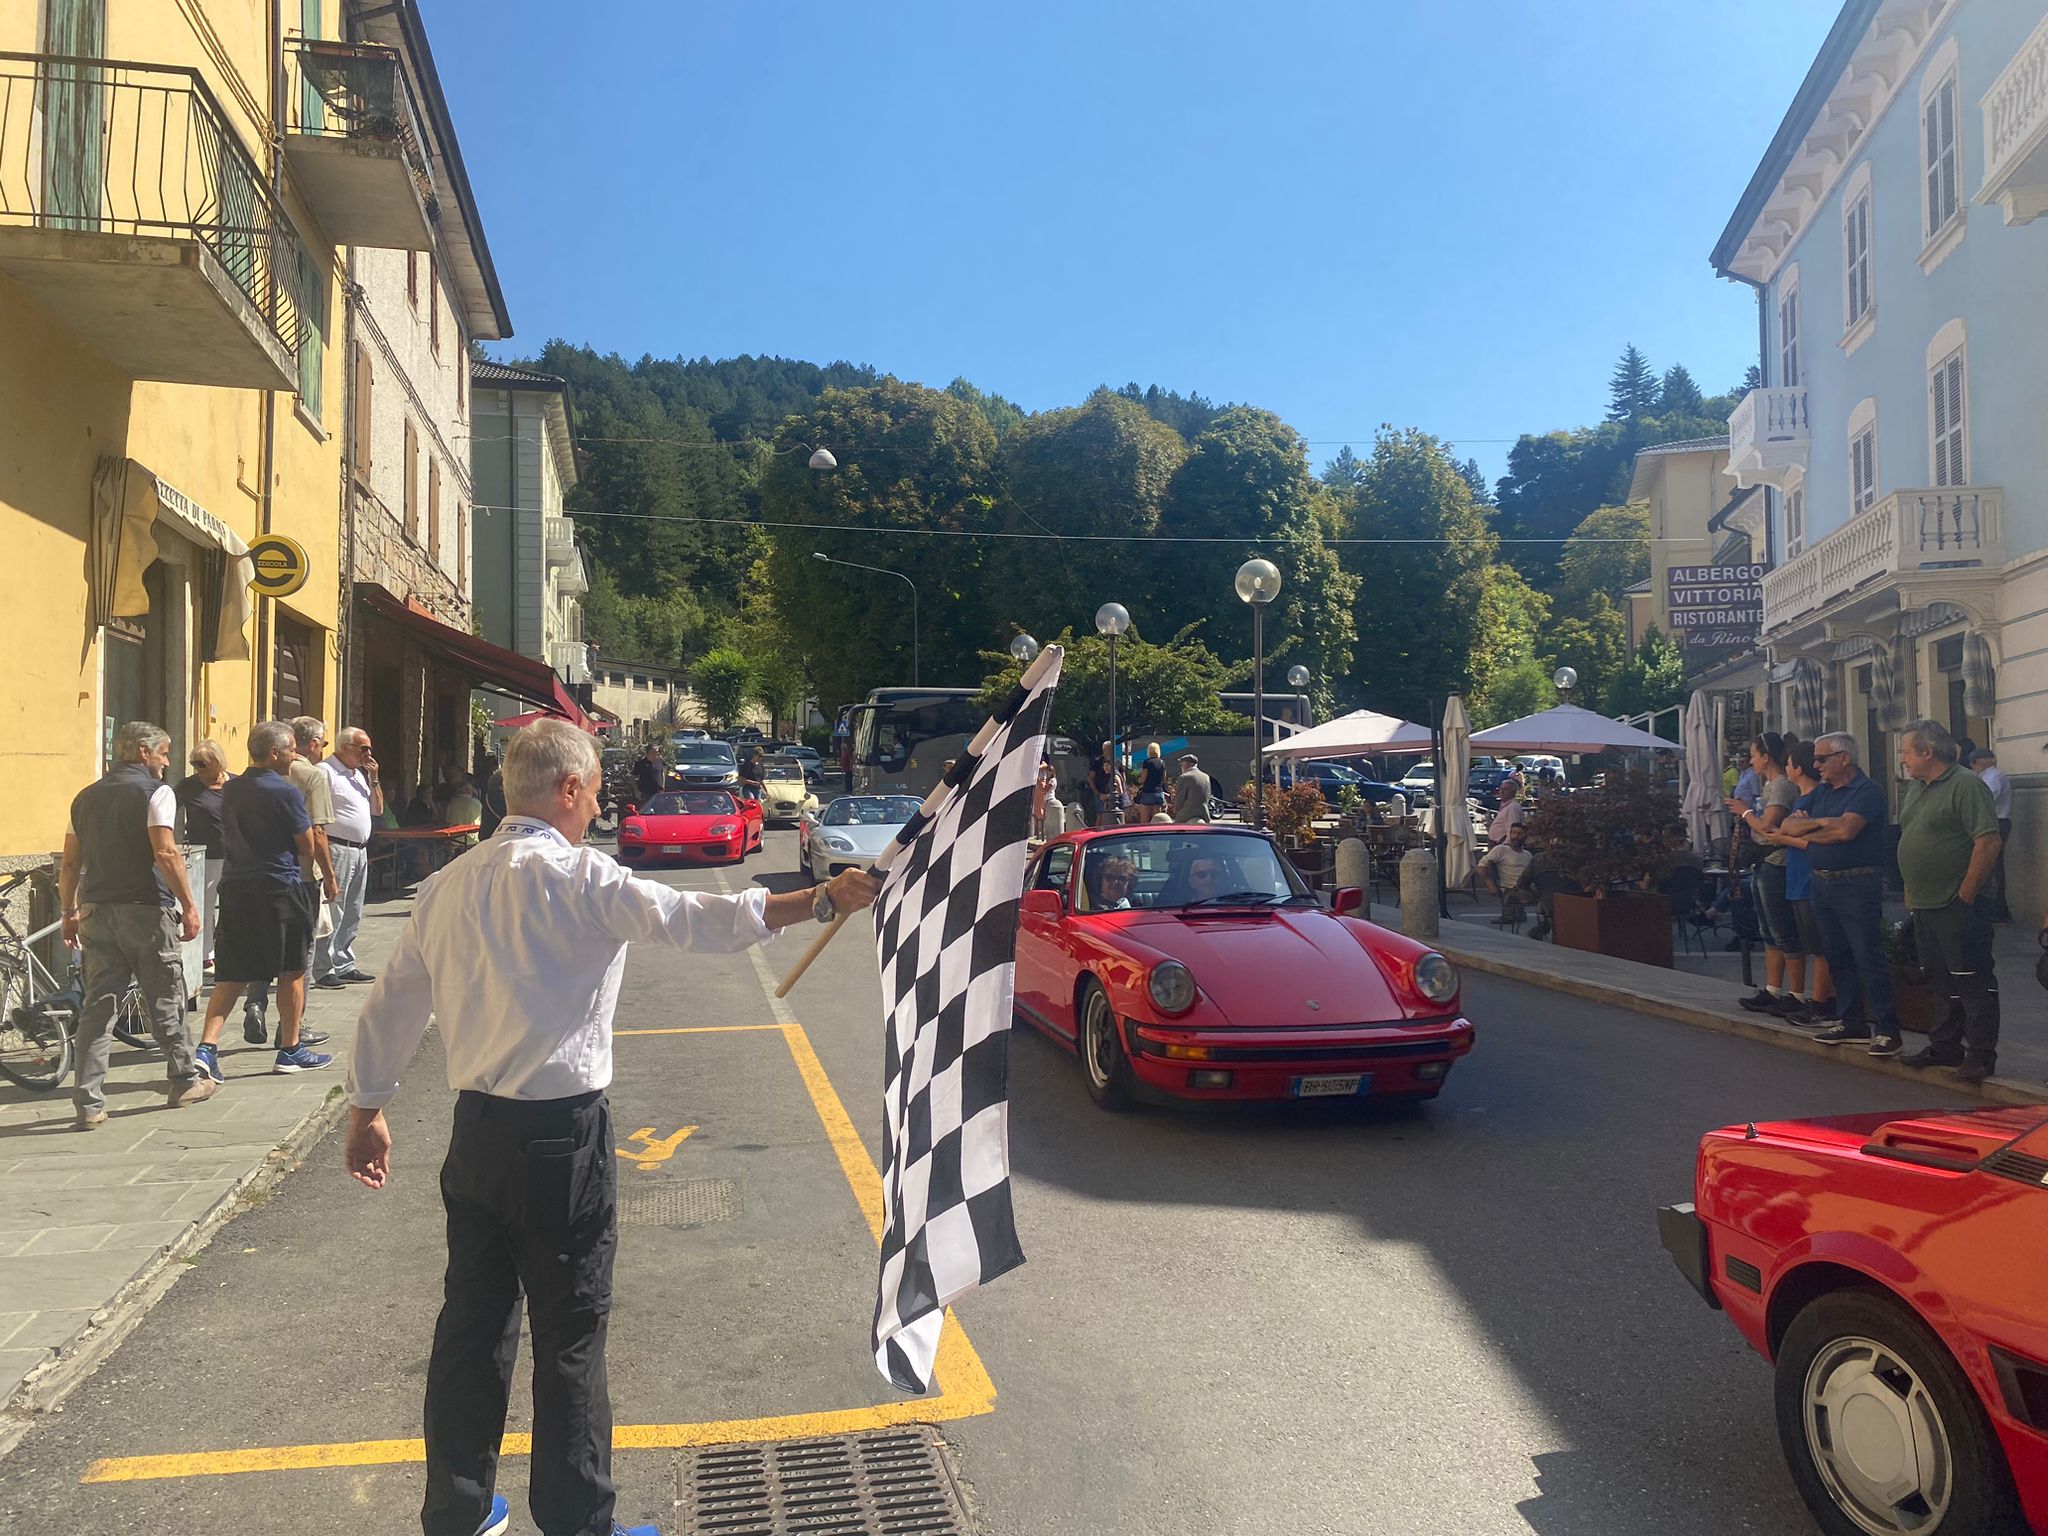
(1980, 696)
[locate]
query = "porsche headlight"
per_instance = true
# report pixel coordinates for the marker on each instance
(1436, 978)
(1172, 987)
(838, 844)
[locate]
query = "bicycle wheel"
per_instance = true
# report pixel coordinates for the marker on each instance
(35, 1040)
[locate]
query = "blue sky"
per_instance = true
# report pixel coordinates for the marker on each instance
(1450, 215)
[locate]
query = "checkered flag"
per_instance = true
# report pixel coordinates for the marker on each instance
(946, 929)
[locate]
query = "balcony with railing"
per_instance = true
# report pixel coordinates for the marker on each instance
(574, 579)
(559, 536)
(1768, 437)
(1910, 532)
(352, 136)
(131, 212)
(571, 658)
(2016, 134)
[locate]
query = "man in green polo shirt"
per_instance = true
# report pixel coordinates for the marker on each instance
(1948, 849)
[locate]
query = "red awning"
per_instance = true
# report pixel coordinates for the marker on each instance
(492, 665)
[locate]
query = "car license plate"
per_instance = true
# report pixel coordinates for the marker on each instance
(671, 847)
(1336, 1087)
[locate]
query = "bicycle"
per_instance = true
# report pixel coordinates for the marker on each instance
(37, 1016)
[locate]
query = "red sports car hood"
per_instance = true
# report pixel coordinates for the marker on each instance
(1288, 969)
(681, 829)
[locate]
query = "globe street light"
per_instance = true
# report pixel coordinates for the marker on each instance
(1112, 620)
(1258, 583)
(879, 570)
(1566, 680)
(1024, 648)
(1298, 678)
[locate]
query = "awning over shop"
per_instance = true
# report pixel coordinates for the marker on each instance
(491, 665)
(127, 502)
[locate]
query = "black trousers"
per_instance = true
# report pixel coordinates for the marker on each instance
(531, 1188)
(1955, 951)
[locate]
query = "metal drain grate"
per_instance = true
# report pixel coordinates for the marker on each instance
(883, 1483)
(690, 1203)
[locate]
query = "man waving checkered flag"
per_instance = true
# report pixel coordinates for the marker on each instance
(946, 928)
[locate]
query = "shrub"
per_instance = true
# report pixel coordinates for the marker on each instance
(1613, 835)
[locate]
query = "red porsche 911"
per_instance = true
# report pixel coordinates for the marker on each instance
(1894, 1269)
(690, 826)
(1182, 962)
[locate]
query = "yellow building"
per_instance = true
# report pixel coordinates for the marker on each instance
(172, 233)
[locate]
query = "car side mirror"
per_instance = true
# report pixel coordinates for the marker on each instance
(631, 809)
(1046, 904)
(1349, 899)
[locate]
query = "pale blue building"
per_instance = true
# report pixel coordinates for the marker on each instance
(1894, 233)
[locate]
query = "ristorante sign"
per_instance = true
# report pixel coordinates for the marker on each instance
(1715, 607)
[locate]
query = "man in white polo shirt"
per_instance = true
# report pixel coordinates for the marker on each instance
(358, 802)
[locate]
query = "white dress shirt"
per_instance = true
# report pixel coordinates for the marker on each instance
(517, 949)
(2001, 791)
(351, 801)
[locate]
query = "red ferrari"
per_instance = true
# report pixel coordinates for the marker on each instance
(1894, 1268)
(690, 826)
(1183, 962)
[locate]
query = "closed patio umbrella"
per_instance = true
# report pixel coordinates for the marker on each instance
(1702, 771)
(1452, 773)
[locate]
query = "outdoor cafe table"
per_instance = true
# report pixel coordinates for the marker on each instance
(436, 844)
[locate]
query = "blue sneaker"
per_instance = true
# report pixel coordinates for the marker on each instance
(499, 1520)
(209, 1062)
(635, 1530)
(300, 1059)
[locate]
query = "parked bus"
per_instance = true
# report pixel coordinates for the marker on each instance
(903, 736)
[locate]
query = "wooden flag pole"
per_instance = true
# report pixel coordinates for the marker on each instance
(933, 804)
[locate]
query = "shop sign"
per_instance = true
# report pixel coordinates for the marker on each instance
(1715, 607)
(280, 565)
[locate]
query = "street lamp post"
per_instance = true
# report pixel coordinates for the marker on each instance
(1024, 648)
(1258, 583)
(880, 570)
(1298, 678)
(1111, 620)
(1566, 680)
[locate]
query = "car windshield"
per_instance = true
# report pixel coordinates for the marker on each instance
(695, 802)
(870, 811)
(787, 772)
(1185, 869)
(704, 753)
(1421, 771)
(1337, 773)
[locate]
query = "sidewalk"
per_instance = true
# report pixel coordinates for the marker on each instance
(1703, 992)
(98, 1225)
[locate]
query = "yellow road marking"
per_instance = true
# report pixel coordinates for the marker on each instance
(966, 1389)
(653, 1149)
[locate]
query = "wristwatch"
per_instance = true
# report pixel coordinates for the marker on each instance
(823, 909)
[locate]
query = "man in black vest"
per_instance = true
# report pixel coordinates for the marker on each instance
(126, 899)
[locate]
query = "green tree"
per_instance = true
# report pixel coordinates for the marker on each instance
(1001, 415)
(1554, 479)
(1522, 688)
(1607, 553)
(1631, 389)
(1160, 689)
(1677, 394)
(1653, 679)
(1512, 615)
(724, 680)
(1594, 643)
(919, 466)
(666, 629)
(1345, 471)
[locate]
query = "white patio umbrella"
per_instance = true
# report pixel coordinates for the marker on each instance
(1566, 728)
(1354, 735)
(1451, 779)
(1702, 802)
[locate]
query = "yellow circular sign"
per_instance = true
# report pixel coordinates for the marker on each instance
(280, 566)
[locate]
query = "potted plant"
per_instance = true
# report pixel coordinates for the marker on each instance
(1919, 1006)
(1612, 842)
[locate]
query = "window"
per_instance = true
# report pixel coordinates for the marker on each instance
(365, 377)
(412, 478)
(1948, 420)
(1863, 470)
(312, 332)
(1940, 125)
(1788, 338)
(1795, 520)
(433, 307)
(434, 509)
(412, 279)
(1856, 256)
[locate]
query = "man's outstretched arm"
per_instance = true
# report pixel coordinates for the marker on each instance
(387, 1036)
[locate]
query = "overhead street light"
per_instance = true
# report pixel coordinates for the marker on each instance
(881, 570)
(1258, 583)
(822, 460)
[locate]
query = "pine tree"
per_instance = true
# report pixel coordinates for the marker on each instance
(1678, 395)
(1345, 472)
(1632, 390)
(1752, 378)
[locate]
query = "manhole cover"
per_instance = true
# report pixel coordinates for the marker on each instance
(690, 1203)
(882, 1483)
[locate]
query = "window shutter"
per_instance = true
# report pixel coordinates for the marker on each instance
(365, 380)
(433, 306)
(1947, 384)
(434, 510)
(462, 547)
(412, 278)
(412, 475)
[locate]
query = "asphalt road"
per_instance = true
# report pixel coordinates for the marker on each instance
(1453, 1318)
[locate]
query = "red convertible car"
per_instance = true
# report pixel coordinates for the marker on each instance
(1894, 1268)
(690, 826)
(1184, 962)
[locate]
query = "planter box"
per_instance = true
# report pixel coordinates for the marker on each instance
(1920, 1007)
(1629, 925)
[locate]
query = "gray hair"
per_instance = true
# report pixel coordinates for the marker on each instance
(307, 729)
(540, 757)
(136, 738)
(265, 739)
(1842, 742)
(207, 755)
(349, 735)
(1934, 737)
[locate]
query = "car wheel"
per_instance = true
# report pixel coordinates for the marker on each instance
(1881, 1429)
(1104, 1067)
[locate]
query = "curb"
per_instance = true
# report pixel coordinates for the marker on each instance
(44, 1389)
(1998, 1090)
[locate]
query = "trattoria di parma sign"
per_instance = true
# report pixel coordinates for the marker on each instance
(1715, 607)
